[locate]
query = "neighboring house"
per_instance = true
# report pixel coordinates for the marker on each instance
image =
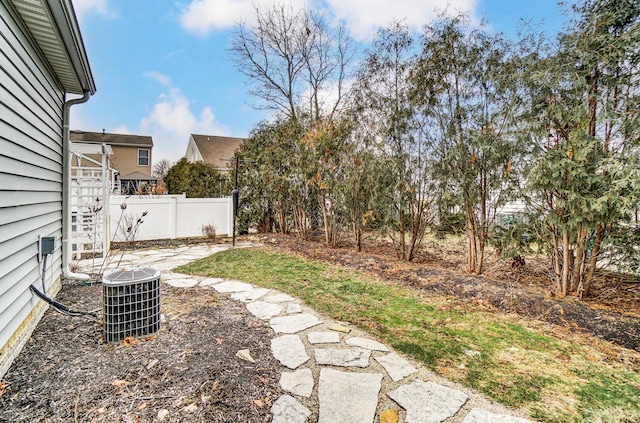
(131, 156)
(212, 149)
(42, 59)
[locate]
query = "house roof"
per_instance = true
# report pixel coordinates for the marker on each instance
(215, 149)
(79, 148)
(54, 29)
(111, 139)
(136, 176)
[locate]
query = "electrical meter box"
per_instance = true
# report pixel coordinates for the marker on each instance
(47, 245)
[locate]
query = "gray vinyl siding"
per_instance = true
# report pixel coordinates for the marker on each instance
(31, 102)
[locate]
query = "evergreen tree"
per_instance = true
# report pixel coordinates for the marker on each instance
(585, 122)
(197, 180)
(465, 84)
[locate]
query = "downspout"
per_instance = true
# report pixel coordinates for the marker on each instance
(66, 190)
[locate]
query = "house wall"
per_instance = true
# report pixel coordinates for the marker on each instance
(193, 154)
(125, 159)
(169, 216)
(30, 183)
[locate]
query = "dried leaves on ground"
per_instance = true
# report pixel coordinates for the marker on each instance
(610, 314)
(187, 372)
(190, 370)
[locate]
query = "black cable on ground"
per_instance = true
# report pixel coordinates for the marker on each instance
(61, 307)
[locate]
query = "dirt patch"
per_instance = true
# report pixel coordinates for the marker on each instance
(66, 373)
(612, 314)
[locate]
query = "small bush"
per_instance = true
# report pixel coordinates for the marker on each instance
(209, 231)
(74, 266)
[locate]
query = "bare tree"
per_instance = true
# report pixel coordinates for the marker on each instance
(295, 62)
(389, 122)
(161, 168)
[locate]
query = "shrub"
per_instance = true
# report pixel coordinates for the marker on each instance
(209, 231)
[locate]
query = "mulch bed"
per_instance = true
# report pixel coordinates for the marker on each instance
(610, 314)
(66, 372)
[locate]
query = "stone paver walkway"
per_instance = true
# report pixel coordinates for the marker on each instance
(348, 376)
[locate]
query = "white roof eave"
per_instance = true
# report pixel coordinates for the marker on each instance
(54, 28)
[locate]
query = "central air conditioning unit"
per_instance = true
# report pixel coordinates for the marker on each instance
(131, 300)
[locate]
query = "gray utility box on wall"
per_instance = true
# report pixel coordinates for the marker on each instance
(131, 301)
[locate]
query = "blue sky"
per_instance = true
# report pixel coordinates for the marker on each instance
(162, 69)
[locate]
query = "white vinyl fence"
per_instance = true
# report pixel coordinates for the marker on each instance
(168, 216)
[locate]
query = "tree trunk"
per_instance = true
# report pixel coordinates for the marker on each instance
(566, 262)
(282, 220)
(480, 252)
(325, 218)
(482, 230)
(300, 220)
(593, 261)
(403, 242)
(416, 227)
(472, 251)
(358, 234)
(557, 269)
(580, 257)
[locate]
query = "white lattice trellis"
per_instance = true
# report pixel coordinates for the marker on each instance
(91, 182)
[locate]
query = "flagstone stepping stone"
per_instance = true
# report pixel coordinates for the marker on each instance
(143, 261)
(263, 310)
(299, 382)
(210, 281)
(478, 415)
(347, 397)
(368, 344)
(168, 265)
(397, 367)
(171, 275)
(232, 286)
(294, 323)
(294, 308)
(289, 351)
(248, 296)
(428, 402)
(162, 254)
(114, 259)
(287, 409)
(323, 337)
(279, 298)
(182, 283)
(351, 357)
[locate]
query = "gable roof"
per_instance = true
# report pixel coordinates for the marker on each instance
(54, 28)
(111, 139)
(137, 176)
(215, 149)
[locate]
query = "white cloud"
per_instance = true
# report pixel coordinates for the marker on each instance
(203, 16)
(172, 54)
(158, 77)
(122, 130)
(83, 7)
(171, 122)
(81, 121)
(364, 17)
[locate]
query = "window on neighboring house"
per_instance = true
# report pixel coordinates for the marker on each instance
(143, 157)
